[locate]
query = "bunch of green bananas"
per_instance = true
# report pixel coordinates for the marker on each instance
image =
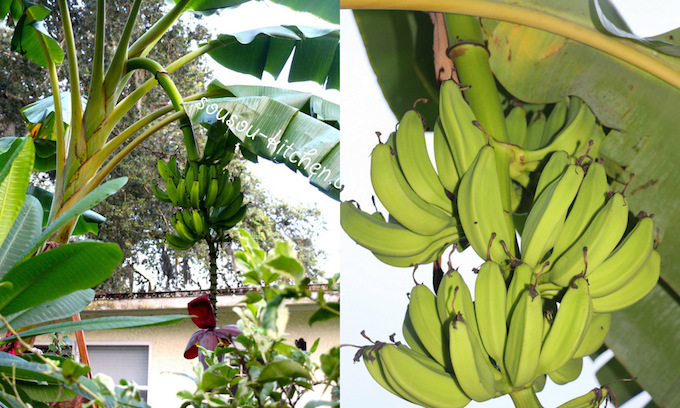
(207, 198)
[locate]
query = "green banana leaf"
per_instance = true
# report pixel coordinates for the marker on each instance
(327, 10)
(101, 323)
(538, 67)
(14, 183)
(315, 58)
(41, 112)
(88, 222)
(30, 32)
(57, 272)
(60, 308)
(278, 132)
(26, 228)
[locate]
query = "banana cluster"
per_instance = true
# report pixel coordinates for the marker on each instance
(207, 198)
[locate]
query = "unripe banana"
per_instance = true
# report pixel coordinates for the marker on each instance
(490, 303)
(568, 372)
(547, 216)
(431, 386)
(624, 262)
(555, 167)
(516, 123)
(539, 384)
(226, 194)
(223, 214)
(375, 369)
(187, 219)
(555, 121)
(595, 335)
(432, 252)
(415, 163)
(160, 194)
(411, 336)
(642, 283)
(177, 242)
(190, 174)
(535, 128)
(199, 222)
(525, 335)
(446, 167)
(203, 179)
(591, 197)
(600, 238)
(211, 194)
(399, 198)
(422, 311)
(384, 237)
(166, 173)
(521, 279)
(212, 171)
(183, 230)
(174, 168)
(592, 399)
(480, 209)
(182, 196)
(173, 194)
(568, 329)
(195, 194)
(574, 135)
(458, 121)
(469, 360)
(234, 219)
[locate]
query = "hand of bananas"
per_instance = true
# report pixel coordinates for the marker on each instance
(207, 198)
(577, 250)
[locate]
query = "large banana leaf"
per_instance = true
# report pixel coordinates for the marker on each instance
(278, 132)
(25, 230)
(14, 183)
(327, 10)
(539, 67)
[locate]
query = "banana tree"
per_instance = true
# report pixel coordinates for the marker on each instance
(541, 52)
(86, 143)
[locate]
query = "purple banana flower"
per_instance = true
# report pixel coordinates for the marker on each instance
(208, 336)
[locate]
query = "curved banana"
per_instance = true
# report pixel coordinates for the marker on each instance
(432, 252)
(173, 194)
(199, 223)
(554, 169)
(458, 121)
(516, 124)
(568, 372)
(165, 172)
(399, 198)
(422, 310)
(642, 283)
(590, 198)
(490, 303)
(468, 358)
(568, 329)
(555, 121)
(211, 193)
(429, 384)
(525, 335)
(195, 194)
(593, 399)
(535, 129)
(177, 242)
(446, 167)
(227, 192)
(183, 231)
(383, 237)
(229, 222)
(160, 194)
(182, 194)
(595, 335)
(415, 163)
(624, 262)
(203, 179)
(600, 238)
(480, 209)
(547, 215)
(521, 279)
(411, 337)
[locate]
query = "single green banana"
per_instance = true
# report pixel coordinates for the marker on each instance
(548, 214)
(173, 194)
(525, 335)
(446, 167)
(555, 121)
(182, 194)
(166, 173)
(430, 385)
(211, 194)
(174, 168)
(591, 197)
(521, 279)
(377, 371)
(516, 123)
(188, 219)
(568, 372)
(177, 242)
(490, 303)
(190, 173)
(592, 399)
(569, 327)
(595, 335)
(595, 244)
(624, 262)
(183, 231)
(411, 337)
(554, 169)
(642, 283)
(415, 164)
(234, 219)
(468, 358)
(203, 179)
(535, 128)
(383, 237)
(422, 311)
(212, 171)
(432, 252)
(539, 384)
(195, 194)
(398, 197)
(480, 209)
(226, 194)
(458, 121)
(225, 213)
(199, 222)
(160, 194)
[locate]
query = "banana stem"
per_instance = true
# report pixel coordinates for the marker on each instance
(525, 398)
(171, 90)
(625, 50)
(212, 254)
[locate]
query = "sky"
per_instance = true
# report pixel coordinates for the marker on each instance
(374, 294)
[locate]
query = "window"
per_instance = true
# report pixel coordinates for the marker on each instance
(129, 362)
